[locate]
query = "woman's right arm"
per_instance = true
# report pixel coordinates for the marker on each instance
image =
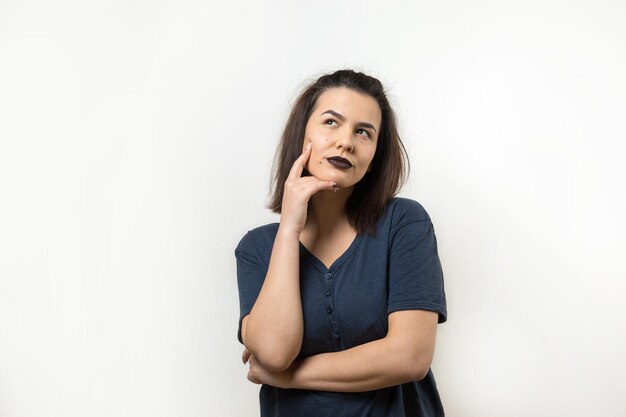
(273, 330)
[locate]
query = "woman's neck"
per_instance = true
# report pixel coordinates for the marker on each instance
(327, 211)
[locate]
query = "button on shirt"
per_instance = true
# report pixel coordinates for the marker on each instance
(346, 305)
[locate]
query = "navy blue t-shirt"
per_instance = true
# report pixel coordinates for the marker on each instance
(346, 305)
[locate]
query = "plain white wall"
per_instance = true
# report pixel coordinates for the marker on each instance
(136, 146)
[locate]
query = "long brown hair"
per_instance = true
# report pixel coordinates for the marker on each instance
(389, 169)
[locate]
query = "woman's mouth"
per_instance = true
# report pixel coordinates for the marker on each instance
(339, 162)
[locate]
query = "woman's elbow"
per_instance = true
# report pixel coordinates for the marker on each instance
(415, 366)
(275, 357)
(275, 362)
(272, 357)
(420, 371)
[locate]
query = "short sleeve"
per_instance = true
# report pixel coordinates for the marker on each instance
(251, 273)
(415, 273)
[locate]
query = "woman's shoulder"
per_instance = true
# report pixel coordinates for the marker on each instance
(403, 210)
(269, 229)
(258, 238)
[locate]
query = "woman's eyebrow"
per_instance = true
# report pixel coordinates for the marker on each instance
(340, 117)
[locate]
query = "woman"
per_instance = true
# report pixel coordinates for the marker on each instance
(340, 300)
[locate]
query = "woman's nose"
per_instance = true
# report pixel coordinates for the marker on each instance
(344, 140)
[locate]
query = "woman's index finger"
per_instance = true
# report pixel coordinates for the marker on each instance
(298, 165)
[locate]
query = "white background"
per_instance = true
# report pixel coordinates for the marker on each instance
(136, 146)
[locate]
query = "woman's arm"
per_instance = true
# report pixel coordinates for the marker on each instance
(273, 329)
(404, 355)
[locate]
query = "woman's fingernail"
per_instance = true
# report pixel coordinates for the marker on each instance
(309, 145)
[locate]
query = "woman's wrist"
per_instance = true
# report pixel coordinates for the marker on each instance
(288, 232)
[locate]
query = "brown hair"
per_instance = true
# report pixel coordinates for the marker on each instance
(389, 169)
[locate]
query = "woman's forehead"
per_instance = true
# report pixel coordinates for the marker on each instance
(350, 104)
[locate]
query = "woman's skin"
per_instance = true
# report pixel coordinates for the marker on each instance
(327, 232)
(272, 332)
(274, 328)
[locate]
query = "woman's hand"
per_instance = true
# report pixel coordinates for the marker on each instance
(298, 191)
(259, 375)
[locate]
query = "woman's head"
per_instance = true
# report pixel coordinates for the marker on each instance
(343, 124)
(361, 127)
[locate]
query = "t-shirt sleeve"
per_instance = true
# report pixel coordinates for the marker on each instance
(415, 273)
(251, 271)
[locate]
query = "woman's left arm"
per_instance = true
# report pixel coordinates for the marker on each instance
(404, 355)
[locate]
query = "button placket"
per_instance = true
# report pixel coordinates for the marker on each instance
(328, 292)
(329, 310)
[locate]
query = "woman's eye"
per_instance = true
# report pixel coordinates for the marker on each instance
(365, 132)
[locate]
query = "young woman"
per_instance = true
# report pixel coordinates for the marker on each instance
(340, 300)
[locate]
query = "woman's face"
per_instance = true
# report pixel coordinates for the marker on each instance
(343, 124)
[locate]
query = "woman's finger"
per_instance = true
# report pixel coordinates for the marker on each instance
(298, 166)
(328, 186)
(245, 355)
(252, 372)
(311, 185)
(253, 380)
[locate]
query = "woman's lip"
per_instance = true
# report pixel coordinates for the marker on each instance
(338, 163)
(340, 159)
